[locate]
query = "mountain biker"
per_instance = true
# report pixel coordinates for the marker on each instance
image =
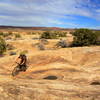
(21, 61)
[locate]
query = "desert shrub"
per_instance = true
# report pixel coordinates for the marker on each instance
(35, 38)
(5, 34)
(10, 47)
(84, 37)
(97, 33)
(1, 33)
(2, 46)
(48, 35)
(17, 35)
(53, 34)
(44, 41)
(39, 33)
(60, 34)
(12, 53)
(10, 33)
(41, 46)
(62, 43)
(31, 33)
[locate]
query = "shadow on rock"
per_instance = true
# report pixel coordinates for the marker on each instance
(95, 83)
(50, 78)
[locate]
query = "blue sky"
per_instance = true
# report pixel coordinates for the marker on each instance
(51, 13)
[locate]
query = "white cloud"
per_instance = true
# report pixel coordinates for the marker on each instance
(98, 11)
(45, 12)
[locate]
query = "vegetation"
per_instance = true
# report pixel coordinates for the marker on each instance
(10, 47)
(10, 33)
(17, 35)
(12, 53)
(2, 46)
(41, 46)
(5, 34)
(97, 33)
(84, 37)
(60, 34)
(48, 35)
(53, 34)
(44, 41)
(31, 33)
(1, 33)
(62, 43)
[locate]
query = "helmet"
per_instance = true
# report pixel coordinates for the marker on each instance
(23, 52)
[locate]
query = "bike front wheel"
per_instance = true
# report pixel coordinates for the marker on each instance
(15, 71)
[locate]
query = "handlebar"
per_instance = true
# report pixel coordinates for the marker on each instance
(17, 63)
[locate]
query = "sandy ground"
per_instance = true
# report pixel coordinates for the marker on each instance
(53, 74)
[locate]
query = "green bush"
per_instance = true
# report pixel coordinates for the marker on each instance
(1, 33)
(53, 34)
(10, 33)
(33, 33)
(60, 34)
(48, 35)
(5, 34)
(97, 33)
(84, 37)
(17, 35)
(2, 46)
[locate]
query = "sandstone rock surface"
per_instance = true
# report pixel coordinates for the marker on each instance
(64, 74)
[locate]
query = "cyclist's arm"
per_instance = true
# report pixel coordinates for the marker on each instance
(18, 61)
(24, 61)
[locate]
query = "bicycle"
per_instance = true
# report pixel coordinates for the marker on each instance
(18, 69)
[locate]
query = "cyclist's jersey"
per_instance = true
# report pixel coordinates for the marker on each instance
(23, 59)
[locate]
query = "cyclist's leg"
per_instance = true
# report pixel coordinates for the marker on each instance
(23, 67)
(20, 67)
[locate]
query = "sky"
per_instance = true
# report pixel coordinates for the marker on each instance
(51, 13)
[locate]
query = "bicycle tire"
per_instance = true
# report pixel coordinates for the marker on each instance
(15, 71)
